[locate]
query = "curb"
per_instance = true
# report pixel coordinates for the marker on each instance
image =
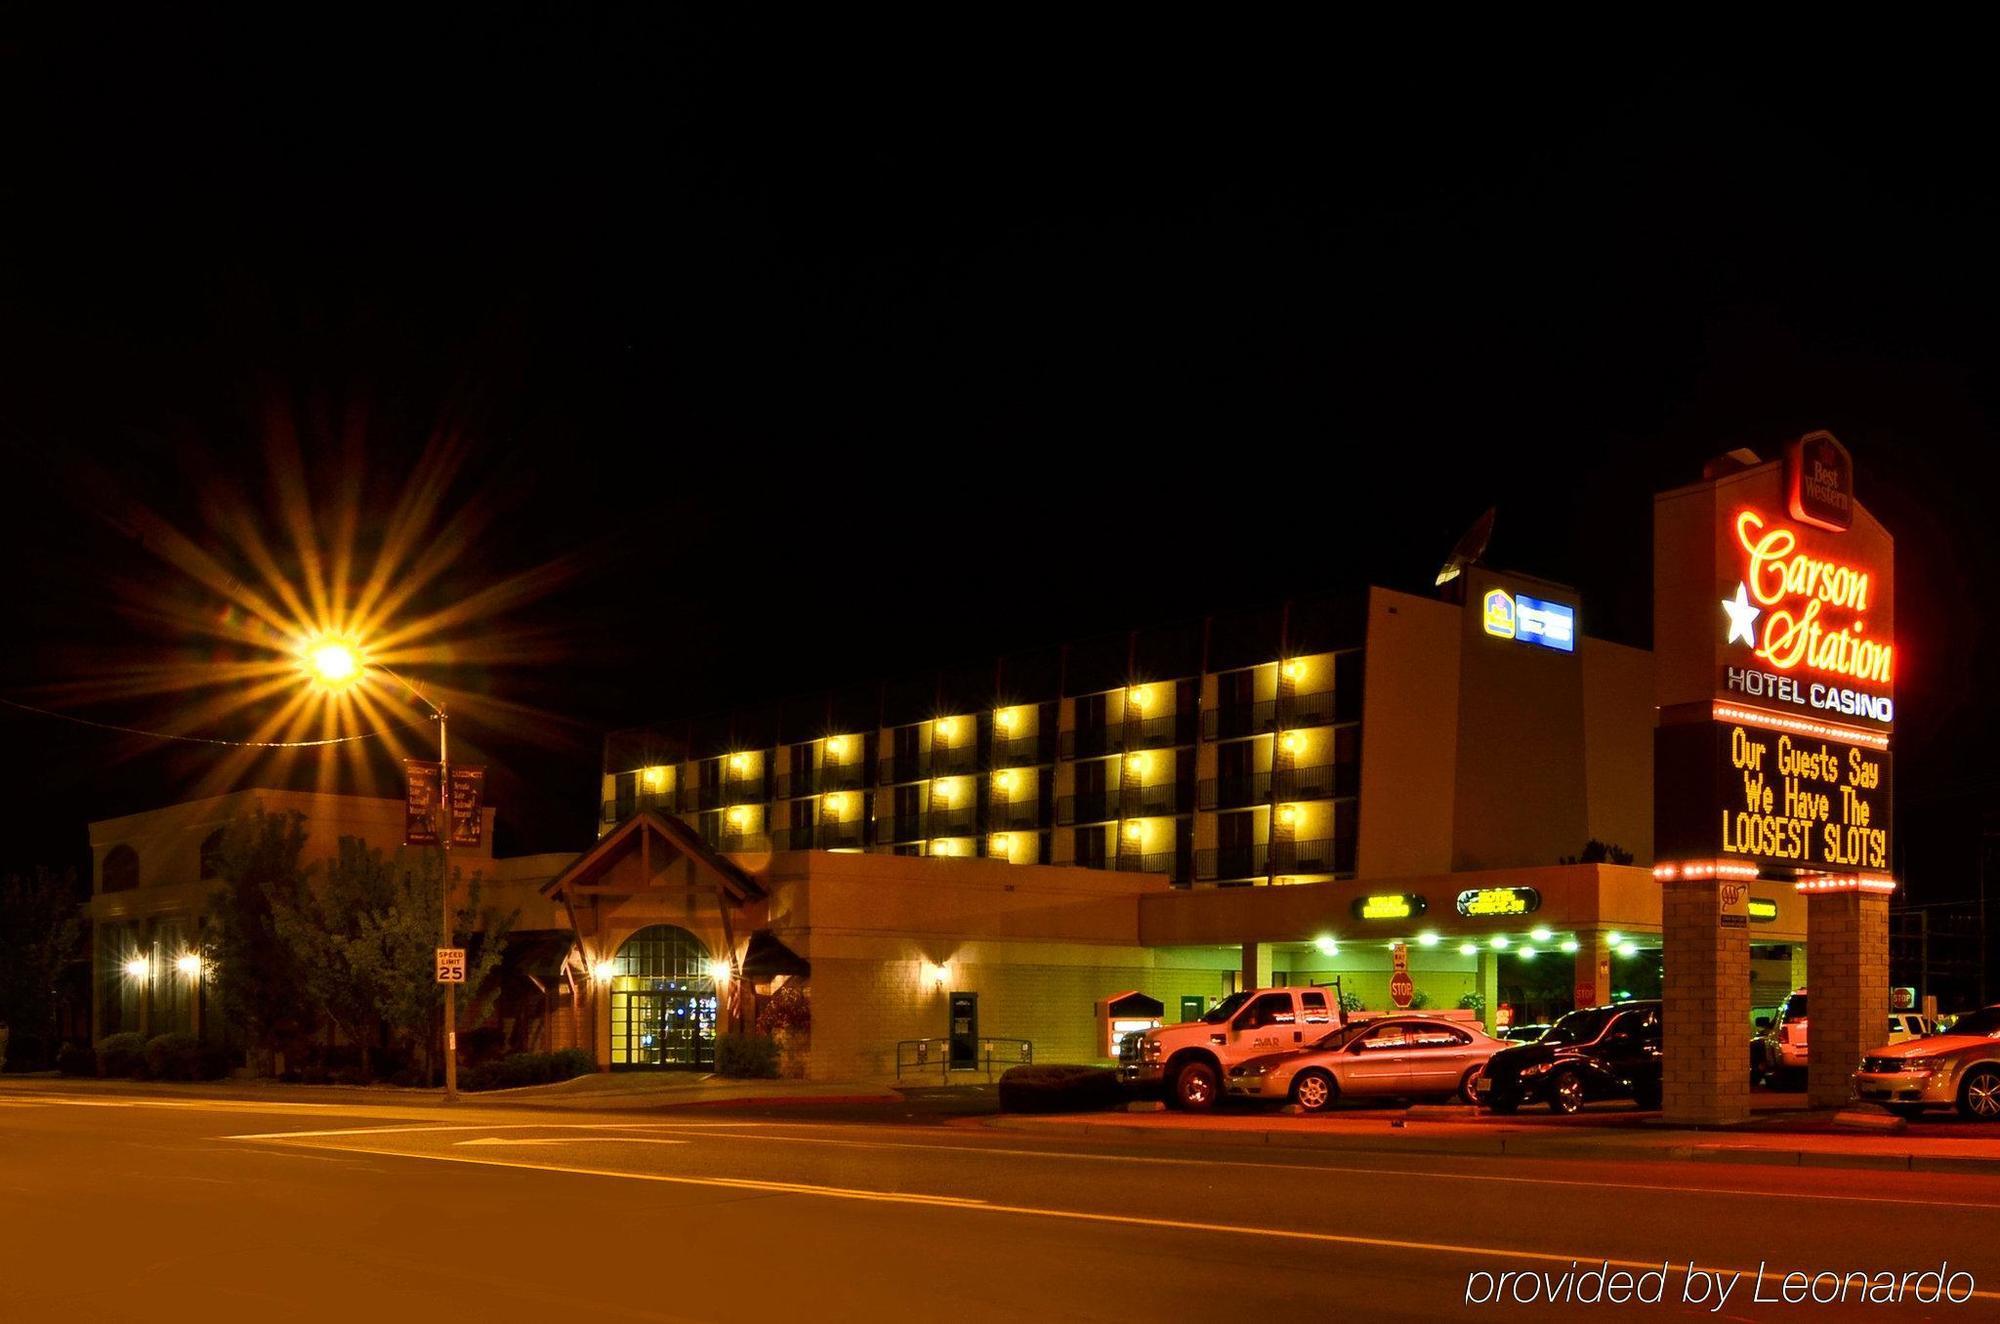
(1508, 1146)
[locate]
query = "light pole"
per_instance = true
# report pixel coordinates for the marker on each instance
(336, 665)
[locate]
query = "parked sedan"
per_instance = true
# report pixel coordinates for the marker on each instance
(1594, 1053)
(1959, 1068)
(1389, 1056)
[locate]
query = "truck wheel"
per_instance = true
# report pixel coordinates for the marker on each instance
(1979, 1096)
(1195, 1087)
(1566, 1093)
(1313, 1091)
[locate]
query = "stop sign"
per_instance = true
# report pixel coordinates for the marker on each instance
(1401, 989)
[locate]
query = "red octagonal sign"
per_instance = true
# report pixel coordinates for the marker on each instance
(1401, 989)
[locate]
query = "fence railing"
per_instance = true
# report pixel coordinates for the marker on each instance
(919, 1057)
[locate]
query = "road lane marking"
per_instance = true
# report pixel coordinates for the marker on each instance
(570, 1140)
(1071, 1215)
(748, 1131)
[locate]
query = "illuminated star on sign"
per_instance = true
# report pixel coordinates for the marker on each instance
(1742, 617)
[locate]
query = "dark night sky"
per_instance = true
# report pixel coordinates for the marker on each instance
(847, 353)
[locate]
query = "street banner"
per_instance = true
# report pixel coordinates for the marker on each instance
(421, 804)
(468, 796)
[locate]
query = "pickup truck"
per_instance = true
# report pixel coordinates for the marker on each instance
(1191, 1060)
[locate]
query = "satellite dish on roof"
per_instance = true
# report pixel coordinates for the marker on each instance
(1469, 549)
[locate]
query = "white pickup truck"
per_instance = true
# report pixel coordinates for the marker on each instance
(1191, 1059)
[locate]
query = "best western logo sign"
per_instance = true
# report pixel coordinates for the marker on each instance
(1530, 620)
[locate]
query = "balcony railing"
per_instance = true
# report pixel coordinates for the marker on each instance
(1238, 792)
(1314, 709)
(1305, 857)
(617, 811)
(954, 758)
(1020, 751)
(1158, 732)
(797, 785)
(842, 776)
(1316, 781)
(892, 831)
(838, 834)
(1248, 719)
(744, 791)
(1015, 815)
(1228, 862)
(1093, 741)
(1146, 862)
(903, 768)
(1090, 807)
(794, 838)
(955, 821)
(1158, 800)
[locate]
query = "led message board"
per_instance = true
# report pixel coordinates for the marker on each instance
(1395, 905)
(1772, 797)
(1499, 901)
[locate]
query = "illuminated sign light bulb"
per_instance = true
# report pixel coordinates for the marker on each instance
(1427, 939)
(1540, 935)
(1468, 949)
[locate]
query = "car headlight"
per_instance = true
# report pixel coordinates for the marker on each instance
(1924, 1066)
(1538, 1069)
(1252, 1069)
(1152, 1049)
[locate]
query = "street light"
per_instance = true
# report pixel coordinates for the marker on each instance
(335, 664)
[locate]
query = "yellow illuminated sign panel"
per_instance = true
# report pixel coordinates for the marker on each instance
(1500, 613)
(1763, 911)
(1487, 901)
(1398, 905)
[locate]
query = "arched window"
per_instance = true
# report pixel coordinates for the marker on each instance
(121, 869)
(211, 855)
(662, 1002)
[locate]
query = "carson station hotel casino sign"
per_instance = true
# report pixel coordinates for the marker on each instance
(1774, 634)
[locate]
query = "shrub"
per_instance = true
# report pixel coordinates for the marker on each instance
(518, 1069)
(1059, 1089)
(121, 1056)
(788, 1012)
(213, 1062)
(76, 1060)
(746, 1055)
(173, 1057)
(25, 1051)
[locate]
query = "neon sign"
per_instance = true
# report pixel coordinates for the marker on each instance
(1799, 596)
(1499, 613)
(1499, 901)
(1399, 905)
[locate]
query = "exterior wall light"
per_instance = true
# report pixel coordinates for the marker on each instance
(739, 815)
(1427, 939)
(1288, 814)
(138, 967)
(835, 804)
(1134, 831)
(836, 747)
(1006, 781)
(1569, 945)
(1629, 950)
(947, 728)
(1614, 939)
(1468, 949)
(1293, 741)
(1007, 719)
(1137, 697)
(1327, 946)
(719, 971)
(1498, 942)
(1295, 669)
(189, 964)
(1138, 763)
(1540, 935)
(942, 790)
(1527, 953)
(654, 777)
(1002, 844)
(604, 971)
(738, 762)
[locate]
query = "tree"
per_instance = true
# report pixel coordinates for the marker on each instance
(259, 985)
(390, 949)
(41, 935)
(1599, 852)
(319, 927)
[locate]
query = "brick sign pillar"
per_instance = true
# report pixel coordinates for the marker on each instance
(1707, 1007)
(1847, 954)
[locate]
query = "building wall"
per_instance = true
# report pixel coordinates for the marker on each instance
(1618, 745)
(1409, 752)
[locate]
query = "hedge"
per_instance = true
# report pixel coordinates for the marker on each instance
(747, 1055)
(121, 1056)
(74, 1059)
(1053, 1088)
(518, 1069)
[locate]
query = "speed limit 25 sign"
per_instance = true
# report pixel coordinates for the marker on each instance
(451, 965)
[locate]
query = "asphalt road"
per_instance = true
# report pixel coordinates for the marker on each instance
(176, 1208)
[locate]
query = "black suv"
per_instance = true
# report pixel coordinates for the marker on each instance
(1592, 1053)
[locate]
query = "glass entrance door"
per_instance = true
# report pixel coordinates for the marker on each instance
(663, 1003)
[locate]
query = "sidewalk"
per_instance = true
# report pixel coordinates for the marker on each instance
(1791, 1139)
(599, 1092)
